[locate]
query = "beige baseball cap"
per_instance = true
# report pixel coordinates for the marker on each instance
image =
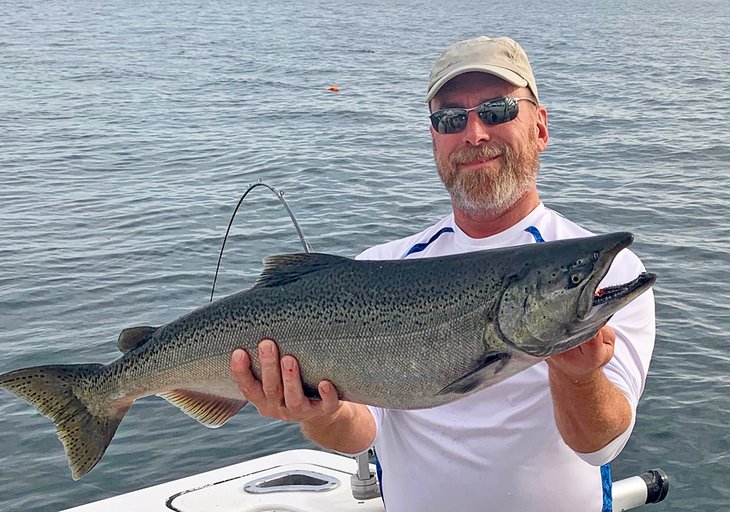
(499, 56)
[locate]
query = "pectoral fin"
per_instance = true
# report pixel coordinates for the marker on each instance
(484, 369)
(210, 410)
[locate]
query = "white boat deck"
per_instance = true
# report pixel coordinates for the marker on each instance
(222, 490)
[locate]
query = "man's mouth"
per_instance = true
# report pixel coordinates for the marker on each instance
(479, 162)
(472, 157)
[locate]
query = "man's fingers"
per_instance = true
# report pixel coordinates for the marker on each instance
(246, 382)
(608, 335)
(294, 398)
(588, 357)
(270, 372)
(330, 401)
(279, 393)
(601, 346)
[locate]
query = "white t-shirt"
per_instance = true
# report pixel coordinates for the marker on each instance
(499, 449)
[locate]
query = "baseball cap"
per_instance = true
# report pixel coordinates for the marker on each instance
(499, 56)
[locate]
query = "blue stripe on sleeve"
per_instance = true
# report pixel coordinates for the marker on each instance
(420, 247)
(535, 234)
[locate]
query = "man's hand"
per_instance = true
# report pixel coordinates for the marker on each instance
(279, 394)
(584, 360)
(590, 411)
(337, 425)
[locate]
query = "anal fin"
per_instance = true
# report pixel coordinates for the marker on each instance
(487, 367)
(210, 410)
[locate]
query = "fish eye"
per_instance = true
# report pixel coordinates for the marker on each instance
(575, 278)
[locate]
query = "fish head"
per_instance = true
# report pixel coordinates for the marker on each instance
(553, 304)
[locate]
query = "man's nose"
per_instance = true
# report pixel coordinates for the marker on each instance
(476, 132)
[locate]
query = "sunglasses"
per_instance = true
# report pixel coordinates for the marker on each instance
(496, 111)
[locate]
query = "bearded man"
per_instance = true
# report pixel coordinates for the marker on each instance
(538, 440)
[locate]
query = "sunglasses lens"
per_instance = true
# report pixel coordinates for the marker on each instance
(452, 120)
(498, 111)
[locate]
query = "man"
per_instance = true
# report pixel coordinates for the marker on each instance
(536, 440)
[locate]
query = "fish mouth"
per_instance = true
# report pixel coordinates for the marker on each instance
(606, 249)
(611, 293)
(606, 301)
(597, 305)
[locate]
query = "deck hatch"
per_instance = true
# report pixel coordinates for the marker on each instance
(292, 481)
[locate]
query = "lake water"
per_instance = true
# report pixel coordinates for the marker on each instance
(128, 130)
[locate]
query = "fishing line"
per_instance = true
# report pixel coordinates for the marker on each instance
(280, 195)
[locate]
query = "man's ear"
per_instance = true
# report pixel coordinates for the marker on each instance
(543, 134)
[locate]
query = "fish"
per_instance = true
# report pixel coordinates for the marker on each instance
(399, 334)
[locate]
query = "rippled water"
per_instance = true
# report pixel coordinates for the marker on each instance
(130, 130)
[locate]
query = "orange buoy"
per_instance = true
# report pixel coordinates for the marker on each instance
(333, 88)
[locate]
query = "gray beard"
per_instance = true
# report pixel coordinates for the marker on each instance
(486, 192)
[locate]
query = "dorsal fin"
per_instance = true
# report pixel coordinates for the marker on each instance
(133, 336)
(287, 268)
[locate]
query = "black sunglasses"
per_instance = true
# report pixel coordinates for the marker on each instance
(496, 111)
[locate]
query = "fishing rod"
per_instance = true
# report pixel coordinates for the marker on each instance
(280, 196)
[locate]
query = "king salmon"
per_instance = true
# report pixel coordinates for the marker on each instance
(403, 334)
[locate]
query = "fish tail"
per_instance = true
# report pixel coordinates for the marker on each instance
(84, 421)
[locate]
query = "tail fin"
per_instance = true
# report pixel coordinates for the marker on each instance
(85, 426)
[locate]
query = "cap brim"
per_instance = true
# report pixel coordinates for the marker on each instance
(504, 74)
